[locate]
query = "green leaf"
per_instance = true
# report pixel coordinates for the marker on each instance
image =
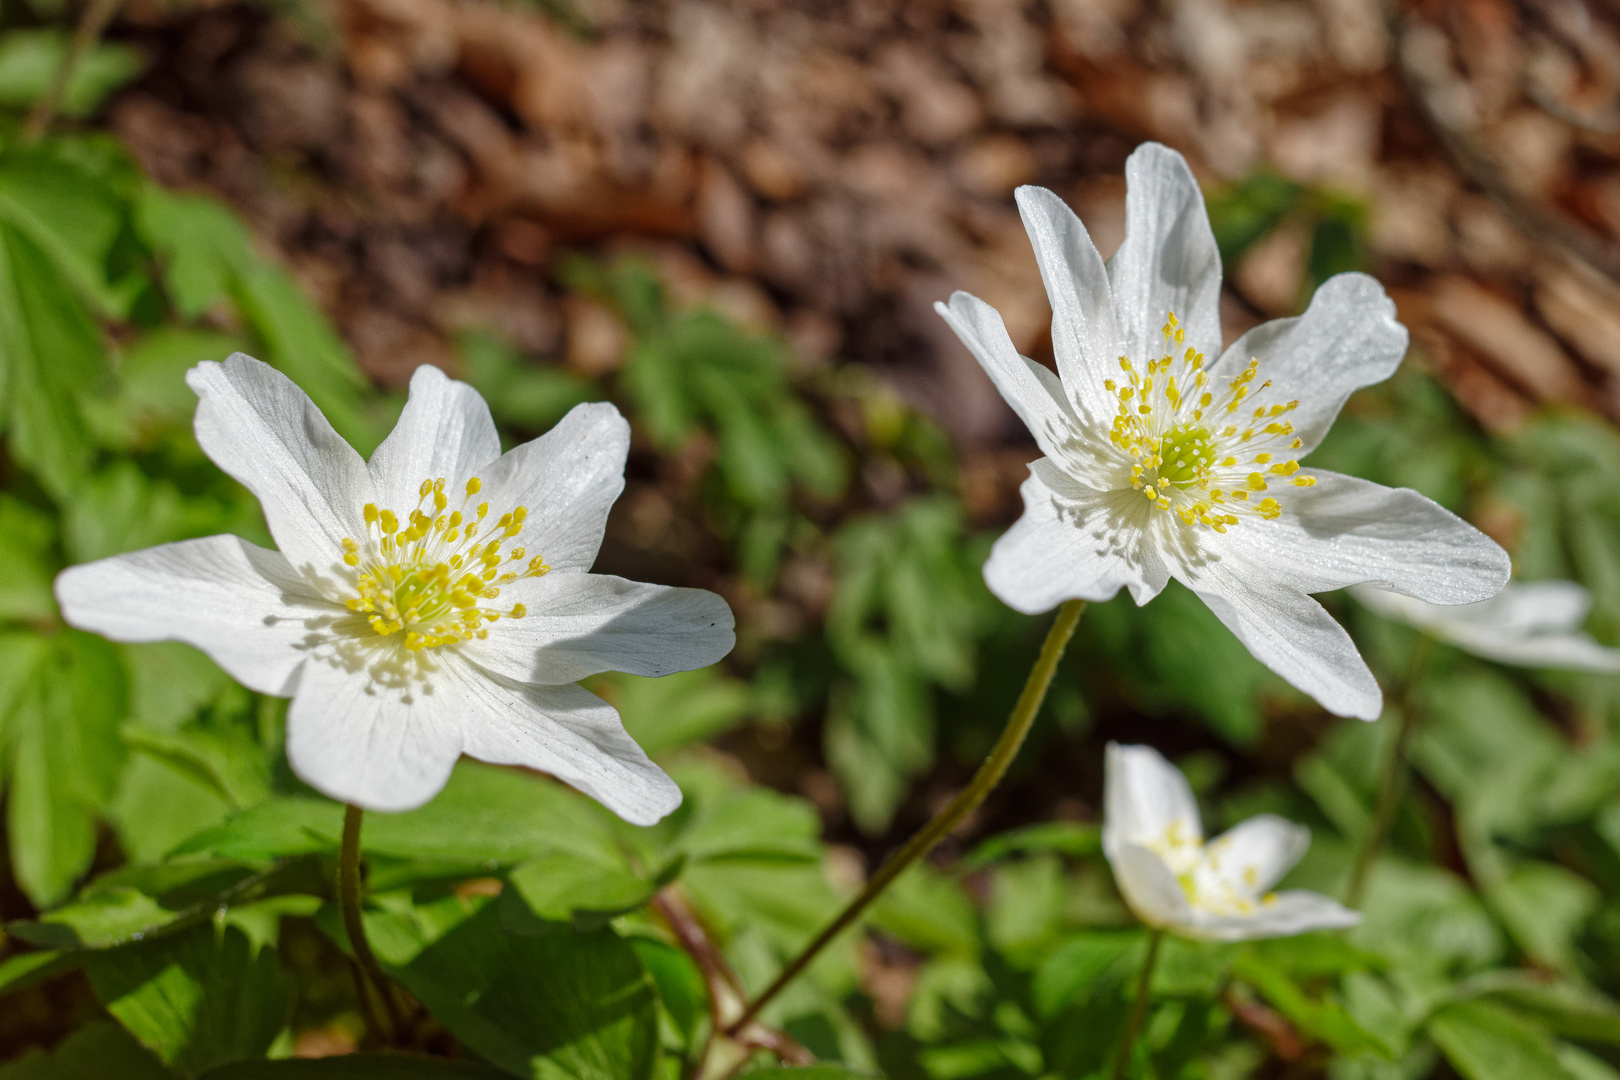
(233, 765)
(1056, 837)
(195, 999)
(494, 816)
(682, 993)
(753, 823)
(25, 588)
(94, 1052)
(562, 887)
(1544, 907)
(520, 393)
(686, 707)
(1083, 963)
(50, 350)
(122, 509)
(1322, 1018)
(64, 203)
(355, 1067)
(29, 59)
(272, 830)
(23, 970)
(810, 1072)
(1488, 1042)
(930, 911)
(556, 1005)
(65, 762)
(112, 917)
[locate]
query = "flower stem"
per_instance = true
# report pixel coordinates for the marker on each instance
(1392, 775)
(370, 973)
(85, 35)
(983, 782)
(1139, 1006)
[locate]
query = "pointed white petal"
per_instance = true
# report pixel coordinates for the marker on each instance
(242, 605)
(1348, 338)
(1251, 857)
(445, 431)
(1563, 652)
(1085, 338)
(580, 624)
(571, 733)
(1296, 911)
(380, 743)
(568, 479)
(1149, 887)
(1168, 261)
(1292, 635)
(263, 430)
(1346, 530)
(1034, 393)
(1528, 607)
(1074, 542)
(1528, 625)
(1146, 800)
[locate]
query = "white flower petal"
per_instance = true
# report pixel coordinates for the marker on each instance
(1168, 261)
(580, 624)
(1145, 800)
(1034, 393)
(1074, 542)
(1292, 635)
(1296, 911)
(1251, 857)
(1530, 625)
(1085, 338)
(263, 430)
(379, 743)
(1345, 531)
(1149, 887)
(242, 605)
(1348, 338)
(568, 479)
(445, 431)
(570, 733)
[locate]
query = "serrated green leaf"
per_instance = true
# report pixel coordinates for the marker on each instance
(196, 999)
(555, 1005)
(1488, 1042)
(50, 351)
(94, 1052)
(66, 759)
(562, 887)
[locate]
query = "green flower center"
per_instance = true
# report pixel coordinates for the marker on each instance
(1185, 453)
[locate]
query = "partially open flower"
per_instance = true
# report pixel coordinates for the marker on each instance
(1164, 457)
(431, 602)
(1529, 625)
(1219, 891)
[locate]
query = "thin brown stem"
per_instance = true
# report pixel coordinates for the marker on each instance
(983, 782)
(85, 35)
(1139, 1006)
(349, 890)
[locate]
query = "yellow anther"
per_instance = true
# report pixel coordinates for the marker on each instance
(1261, 459)
(426, 489)
(1256, 482)
(1269, 509)
(1304, 481)
(390, 523)
(518, 611)
(371, 513)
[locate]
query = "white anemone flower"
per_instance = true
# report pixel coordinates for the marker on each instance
(1219, 891)
(1536, 624)
(432, 602)
(1158, 464)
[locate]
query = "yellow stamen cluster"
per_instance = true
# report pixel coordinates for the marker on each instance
(1204, 451)
(428, 577)
(1197, 867)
